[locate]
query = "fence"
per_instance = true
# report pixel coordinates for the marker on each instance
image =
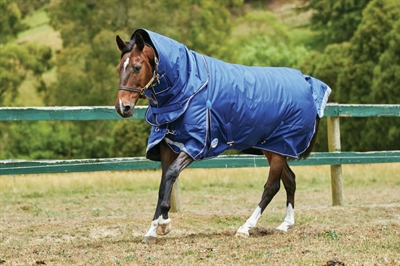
(335, 158)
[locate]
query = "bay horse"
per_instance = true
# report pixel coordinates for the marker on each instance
(200, 107)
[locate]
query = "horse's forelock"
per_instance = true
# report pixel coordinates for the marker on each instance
(128, 47)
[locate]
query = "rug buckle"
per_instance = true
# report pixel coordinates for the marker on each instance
(172, 132)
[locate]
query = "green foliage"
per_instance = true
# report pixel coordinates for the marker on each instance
(262, 51)
(335, 21)
(202, 25)
(16, 62)
(10, 20)
(260, 23)
(130, 138)
(365, 82)
(362, 70)
(385, 89)
(38, 140)
(386, 82)
(57, 140)
(378, 22)
(86, 74)
(28, 7)
(266, 42)
(83, 20)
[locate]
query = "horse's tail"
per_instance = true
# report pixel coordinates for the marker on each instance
(307, 152)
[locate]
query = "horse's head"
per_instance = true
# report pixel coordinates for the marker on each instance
(136, 73)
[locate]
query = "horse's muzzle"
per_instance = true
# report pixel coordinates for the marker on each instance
(124, 110)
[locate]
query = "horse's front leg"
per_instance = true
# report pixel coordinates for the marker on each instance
(172, 165)
(271, 187)
(167, 158)
(180, 163)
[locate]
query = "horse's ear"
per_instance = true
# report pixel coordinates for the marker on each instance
(139, 41)
(120, 43)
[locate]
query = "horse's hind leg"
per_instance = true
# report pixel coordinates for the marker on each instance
(172, 165)
(289, 181)
(271, 187)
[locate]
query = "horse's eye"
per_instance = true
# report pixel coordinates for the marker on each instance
(137, 68)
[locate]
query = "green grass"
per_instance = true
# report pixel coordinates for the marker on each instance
(35, 20)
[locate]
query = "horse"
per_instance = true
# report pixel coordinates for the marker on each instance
(200, 107)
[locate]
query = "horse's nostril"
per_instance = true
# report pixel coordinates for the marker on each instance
(126, 108)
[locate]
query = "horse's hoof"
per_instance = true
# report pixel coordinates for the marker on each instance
(279, 231)
(164, 229)
(243, 231)
(243, 235)
(150, 240)
(284, 227)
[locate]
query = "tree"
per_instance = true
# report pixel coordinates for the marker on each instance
(385, 89)
(10, 20)
(334, 20)
(262, 51)
(363, 70)
(16, 63)
(129, 139)
(368, 64)
(28, 7)
(260, 40)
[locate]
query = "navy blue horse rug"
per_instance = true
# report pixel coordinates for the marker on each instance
(203, 106)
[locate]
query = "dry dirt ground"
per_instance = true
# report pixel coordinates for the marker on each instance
(100, 219)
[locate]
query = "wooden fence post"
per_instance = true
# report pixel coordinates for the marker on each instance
(336, 170)
(176, 197)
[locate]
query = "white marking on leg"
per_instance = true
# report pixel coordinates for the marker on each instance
(251, 222)
(153, 229)
(126, 63)
(164, 226)
(289, 219)
(161, 220)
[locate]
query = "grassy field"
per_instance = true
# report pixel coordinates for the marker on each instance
(100, 219)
